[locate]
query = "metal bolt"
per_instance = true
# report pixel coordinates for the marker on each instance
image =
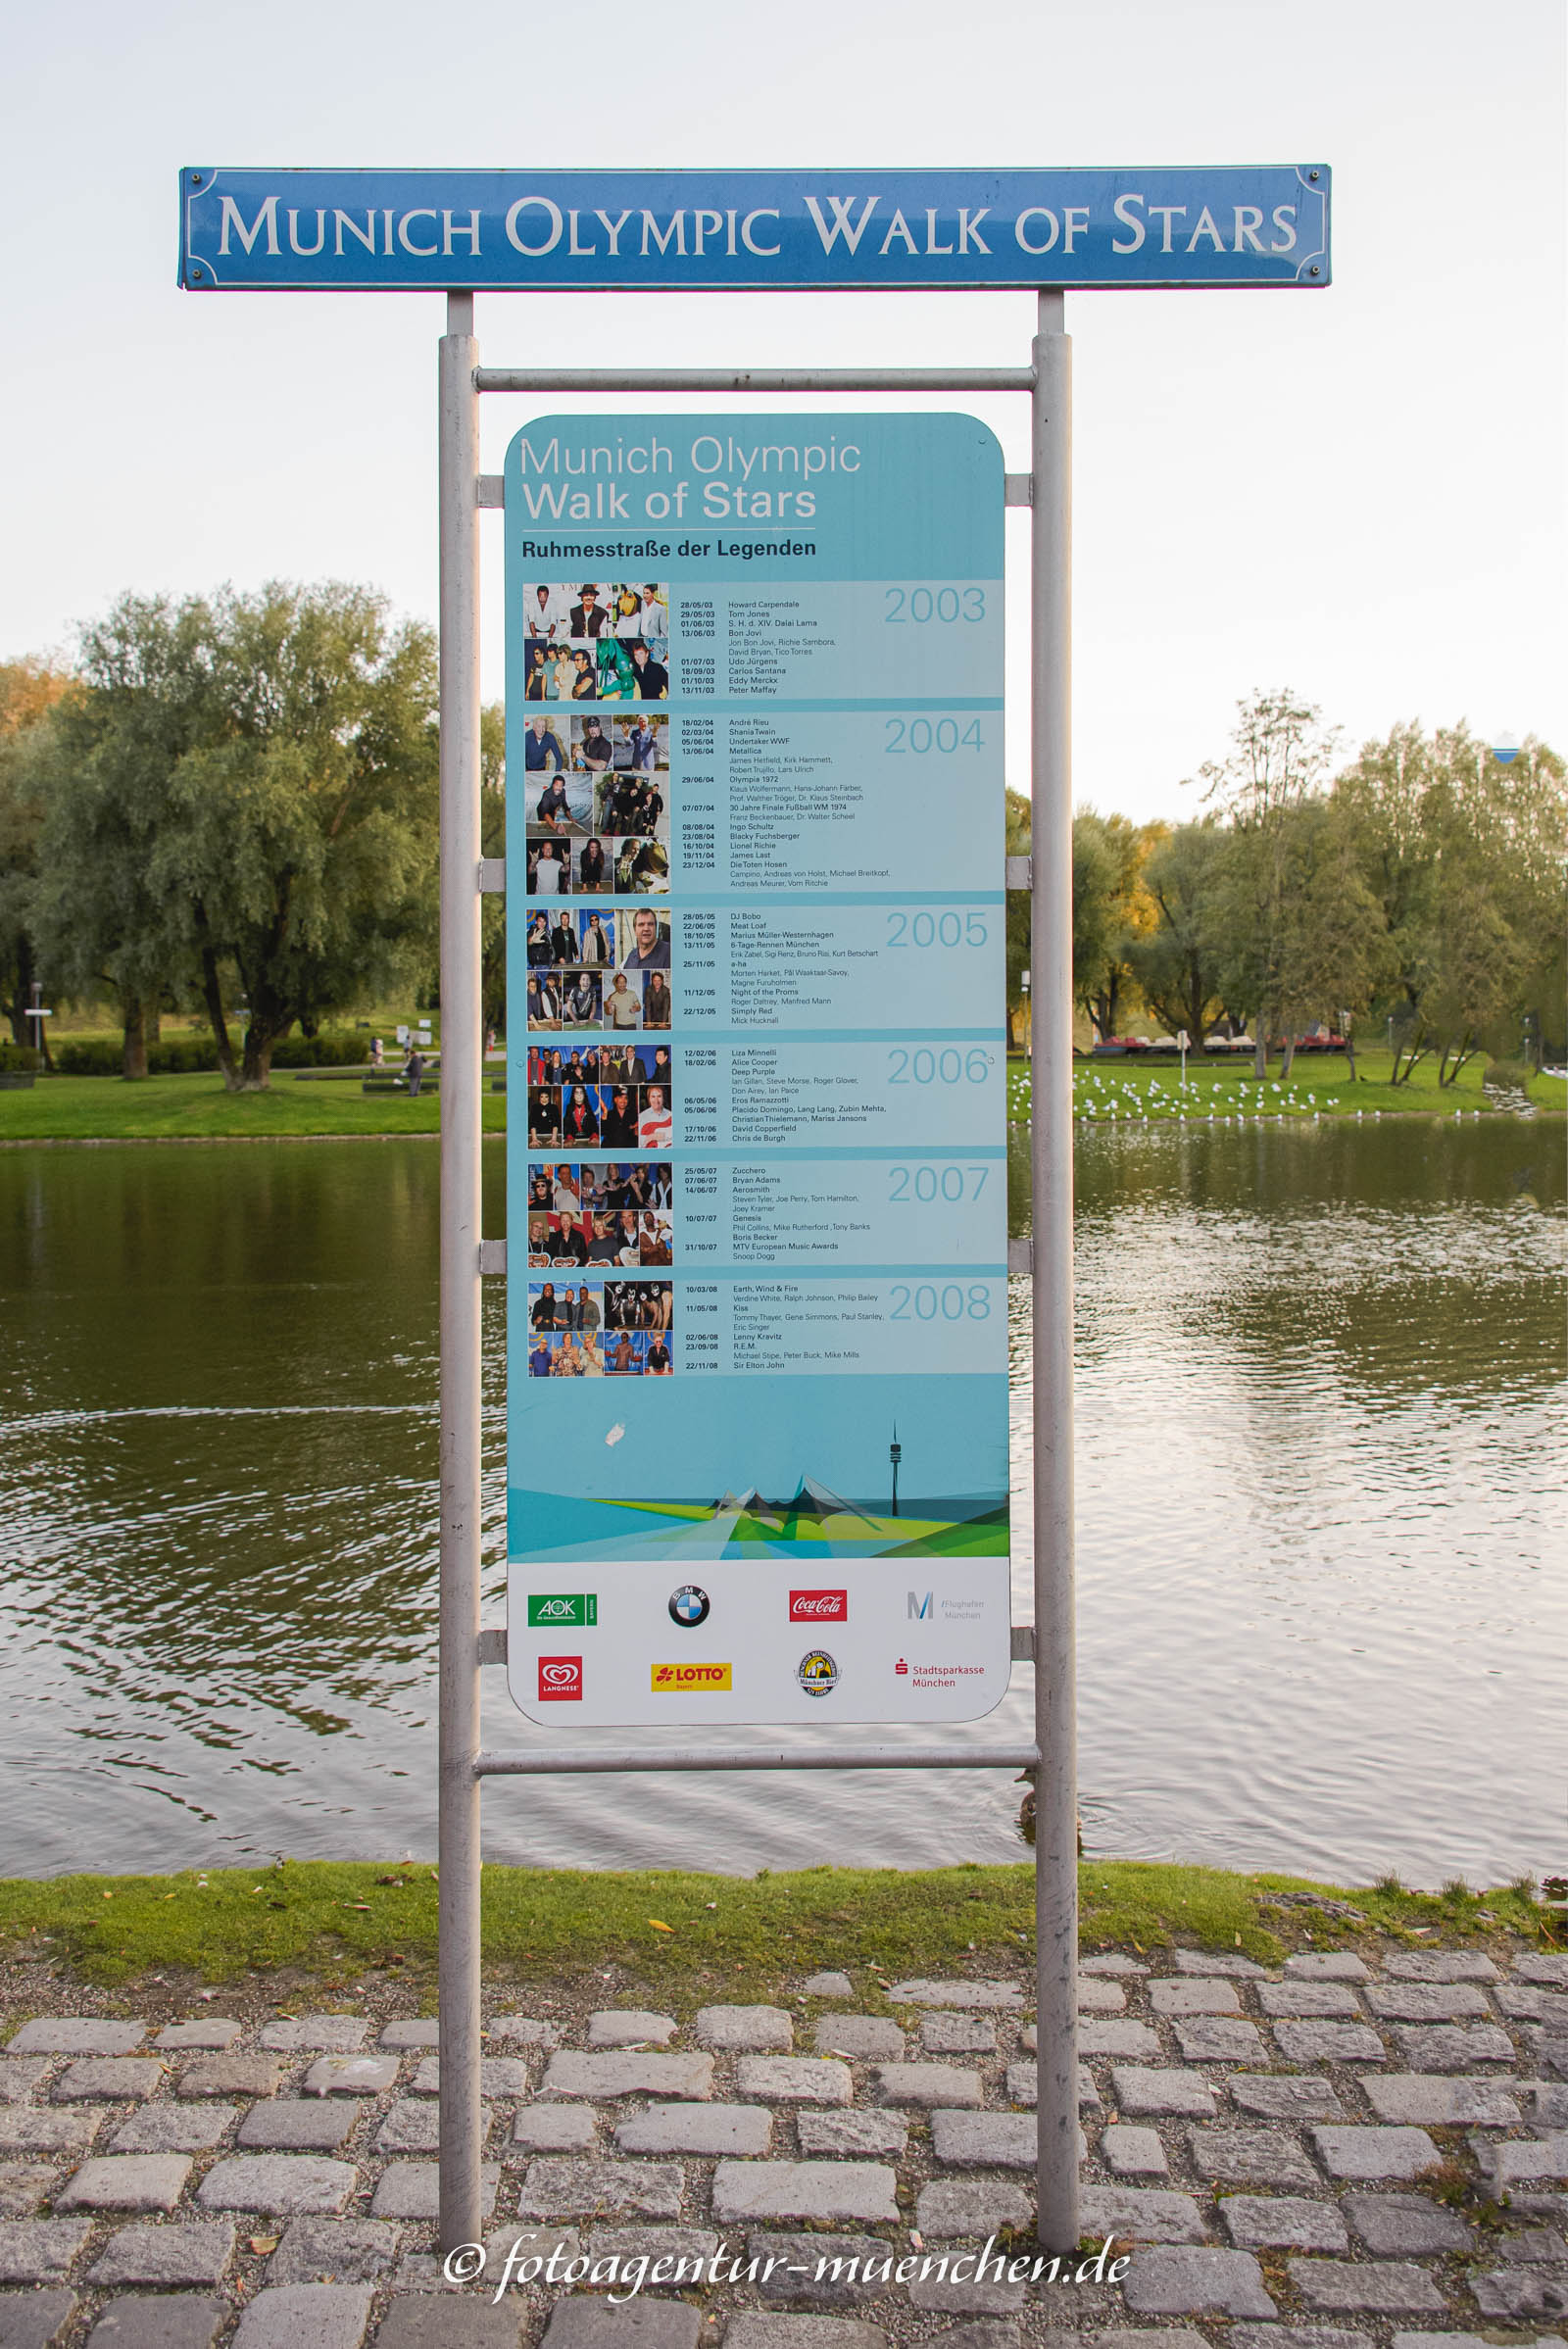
(196, 179)
(1314, 175)
(1316, 272)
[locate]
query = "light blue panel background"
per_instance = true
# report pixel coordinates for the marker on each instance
(783, 966)
(767, 1094)
(922, 1211)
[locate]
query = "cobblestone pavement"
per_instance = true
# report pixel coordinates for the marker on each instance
(1329, 2156)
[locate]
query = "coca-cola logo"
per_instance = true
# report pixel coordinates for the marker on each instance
(559, 1679)
(820, 1606)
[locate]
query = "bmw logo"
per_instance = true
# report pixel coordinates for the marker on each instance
(689, 1606)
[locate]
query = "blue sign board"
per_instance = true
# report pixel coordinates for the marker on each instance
(580, 231)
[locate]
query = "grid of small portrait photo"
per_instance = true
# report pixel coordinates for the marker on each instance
(598, 641)
(600, 1329)
(619, 1097)
(597, 971)
(613, 1215)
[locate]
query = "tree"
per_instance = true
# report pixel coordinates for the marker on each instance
(1111, 910)
(1177, 963)
(29, 690)
(1280, 753)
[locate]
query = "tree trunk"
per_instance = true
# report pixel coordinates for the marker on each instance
(255, 1067)
(1289, 1058)
(1350, 1057)
(1260, 1050)
(134, 1060)
(213, 994)
(153, 1017)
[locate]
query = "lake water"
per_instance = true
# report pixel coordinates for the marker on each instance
(1321, 1463)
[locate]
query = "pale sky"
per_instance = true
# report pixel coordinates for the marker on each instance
(1356, 492)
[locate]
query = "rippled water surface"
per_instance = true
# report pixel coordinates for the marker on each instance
(1321, 1464)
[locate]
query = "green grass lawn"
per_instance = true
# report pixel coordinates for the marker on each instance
(333, 1921)
(1106, 1092)
(197, 1108)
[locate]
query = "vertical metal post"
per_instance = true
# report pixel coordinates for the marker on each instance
(462, 1071)
(1050, 1157)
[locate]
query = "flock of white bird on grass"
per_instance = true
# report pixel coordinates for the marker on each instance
(1100, 1097)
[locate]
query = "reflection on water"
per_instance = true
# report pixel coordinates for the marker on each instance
(1321, 1477)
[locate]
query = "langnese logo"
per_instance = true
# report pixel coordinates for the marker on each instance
(917, 1607)
(686, 1680)
(817, 1673)
(820, 1606)
(547, 1608)
(561, 1680)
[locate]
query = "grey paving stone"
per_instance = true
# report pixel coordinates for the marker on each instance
(1024, 2083)
(352, 2076)
(827, 1985)
(333, 2251)
(698, 2128)
(1297, 2336)
(1460, 2340)
(923, 2087)
(1139, 2337)
(196, 2251)
(499, 2075)
(1439, 1965)
(1098, 1995)
(1329, 2043)
(1547, 2106)
(76, 2034)
(108, 2078)
(1449, 2048)
(39, 2250)
(298, 2124)
(425, 2031)
(1132, 2152)
(1539, 2164)
(1224, 1961)
(34, 2319)
(1542, 1966)
(631, 2026)
(305, 2315)
(884, 2136)
(1435, 2101)
(1552, 2053)
(1391, 2289)
(19, 2074)
(584, 2322)
(756, 2030)
(955, 2207)
(1523, 2295)
(754, 2329)
(675, 2245)
(689, 2078)
(422, 2271)
(526, 2030)
(127, 2181)
(955, 2035)
(1523, 2003)
(1372, 2153)
(792, 2079)
(1158, 2091)
(560, 2187)
(1250, 2157)
(201, 2030)
(315, 2034)
(977, 1994)
(1426, 2002)
(232, 2075)
(165, 2321)
(1110, 1961)
(1113, 2034)
(1180, 2282)
(1406, 2225)
(22, 2187)
(413, 2124)
(1327, 1965)
(553, 2128)
(421, 2323)
(1220, 2040)
(985, 2140)
(1192, 1996)
(997, 2333)
(861, 2037)
(172, 2128)
(413, 2191)
(23, 2129)
(1282, 2222)
(1279, 2097)
(827, 2190)
(1309, 1999)
(279, 2183)
(827, 2271)
(1143, 2214)
(953, 2296)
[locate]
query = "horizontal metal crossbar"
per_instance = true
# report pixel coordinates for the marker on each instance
(754, 379)
(761, 1757)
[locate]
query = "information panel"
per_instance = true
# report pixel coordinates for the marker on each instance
(756, 1160)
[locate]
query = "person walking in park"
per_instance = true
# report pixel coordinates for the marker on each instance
(414, 1071)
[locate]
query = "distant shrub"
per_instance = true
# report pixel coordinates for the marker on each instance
(88, 1057)
(1516, 1075)
(16, 1060)
(320, 1052)
(188, 1054)
(181, 1055)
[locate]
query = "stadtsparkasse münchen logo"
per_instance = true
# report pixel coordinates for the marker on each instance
(820, 1606)
(559, 1679)
(687, 1680)
(689, 1606)
(817, 1673)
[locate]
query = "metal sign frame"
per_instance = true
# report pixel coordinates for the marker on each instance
(466, 1257)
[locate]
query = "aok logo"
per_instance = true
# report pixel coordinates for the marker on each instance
(820, 1606)
(581, 1609)
(671, 1679)
(559, 1679)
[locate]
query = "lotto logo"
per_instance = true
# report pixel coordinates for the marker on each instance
(559, 1679)
(671, 1679)
(820, 1606)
